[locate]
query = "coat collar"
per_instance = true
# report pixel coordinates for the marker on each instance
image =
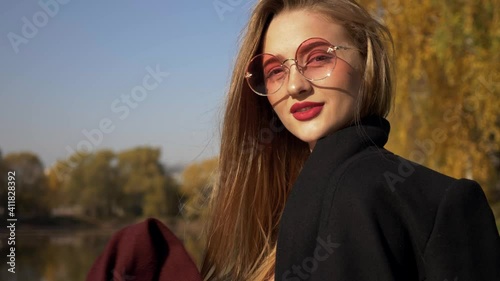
(334, 149)
(299, 223)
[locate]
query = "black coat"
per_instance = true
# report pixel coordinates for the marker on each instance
(359, 212)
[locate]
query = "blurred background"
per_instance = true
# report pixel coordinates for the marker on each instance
(110, 113)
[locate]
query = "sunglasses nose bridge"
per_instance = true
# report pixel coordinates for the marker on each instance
(289, 67)
(294, 61)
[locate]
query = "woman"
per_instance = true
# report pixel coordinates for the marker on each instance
(314, 195)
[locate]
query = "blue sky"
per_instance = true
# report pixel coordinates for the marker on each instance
(65, 75)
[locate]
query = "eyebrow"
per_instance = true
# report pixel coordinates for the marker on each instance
(304, 49)
(307, 47)
(267, 62)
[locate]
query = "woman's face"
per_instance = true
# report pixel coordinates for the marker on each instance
(326, 105)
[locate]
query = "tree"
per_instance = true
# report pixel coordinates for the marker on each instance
(100, 194)
(55, 188)
(448, 82)
(31, 192)
(90, 183)
(197, 180)
(147, 188)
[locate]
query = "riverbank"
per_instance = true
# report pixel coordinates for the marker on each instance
(85, 224)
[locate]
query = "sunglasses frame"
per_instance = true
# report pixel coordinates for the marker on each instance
(331, 49)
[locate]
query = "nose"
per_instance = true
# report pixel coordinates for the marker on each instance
(297, 83)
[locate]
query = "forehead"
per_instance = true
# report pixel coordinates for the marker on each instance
(288, 29)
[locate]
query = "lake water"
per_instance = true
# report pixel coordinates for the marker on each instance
(57, 256)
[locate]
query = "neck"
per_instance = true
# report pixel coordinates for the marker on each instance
(311, 145)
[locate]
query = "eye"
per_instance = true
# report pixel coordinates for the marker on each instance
(319, 58)
(274, 73)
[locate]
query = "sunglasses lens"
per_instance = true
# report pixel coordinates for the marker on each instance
(317, 58)
(265, 74)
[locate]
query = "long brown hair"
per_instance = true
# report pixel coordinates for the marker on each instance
(259, 159)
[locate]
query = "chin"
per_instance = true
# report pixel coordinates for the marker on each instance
(314, 130)
(315, 134)
(309, 136)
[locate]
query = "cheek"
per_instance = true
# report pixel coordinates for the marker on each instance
(270, 99)
(274, 101)
(347, 78)
(353, 82)
(279, 107)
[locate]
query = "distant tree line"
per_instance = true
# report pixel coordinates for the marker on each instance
(102, 184)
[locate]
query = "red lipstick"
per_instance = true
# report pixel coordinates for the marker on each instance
(304, 111)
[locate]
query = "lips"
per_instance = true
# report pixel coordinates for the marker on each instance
(304, 111)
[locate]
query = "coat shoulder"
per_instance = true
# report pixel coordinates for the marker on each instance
(379, 186)
(384, 173)
(385, 207)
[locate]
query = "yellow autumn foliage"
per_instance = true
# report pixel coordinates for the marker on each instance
(446, 113)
